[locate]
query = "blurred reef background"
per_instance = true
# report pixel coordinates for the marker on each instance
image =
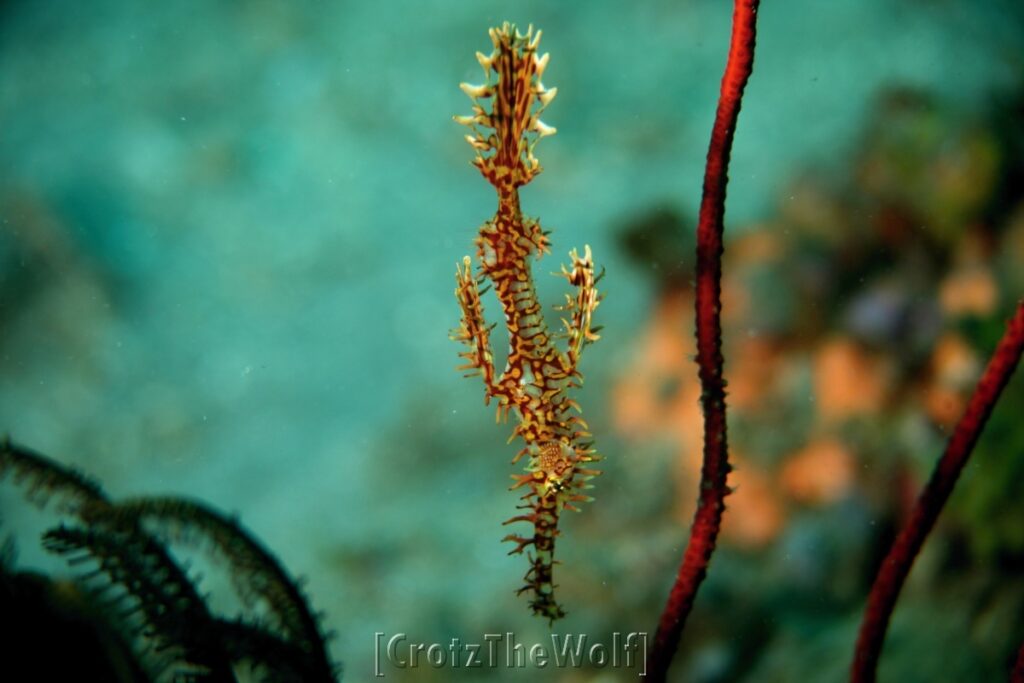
(228, 236)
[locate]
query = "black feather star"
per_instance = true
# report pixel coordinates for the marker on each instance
(132, 612)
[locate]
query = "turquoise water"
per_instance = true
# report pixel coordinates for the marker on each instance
(228, 234)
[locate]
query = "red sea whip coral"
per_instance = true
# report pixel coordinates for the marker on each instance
(897, 564)
(713, 487)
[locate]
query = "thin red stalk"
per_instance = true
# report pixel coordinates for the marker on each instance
(1017, 675)
(713, 488)
(898, 562)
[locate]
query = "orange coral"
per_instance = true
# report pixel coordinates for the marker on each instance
(970, 290)
(848, 380)
(821, 472)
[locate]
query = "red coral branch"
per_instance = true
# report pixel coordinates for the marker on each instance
(1017, 675)
(713, 488)
(898, 562)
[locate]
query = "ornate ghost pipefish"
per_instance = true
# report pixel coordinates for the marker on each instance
(538, 376)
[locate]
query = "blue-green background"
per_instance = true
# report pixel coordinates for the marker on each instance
(241, 222)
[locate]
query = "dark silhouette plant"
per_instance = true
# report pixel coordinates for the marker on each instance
(138, 602)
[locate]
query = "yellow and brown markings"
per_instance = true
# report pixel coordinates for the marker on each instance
(537, 377)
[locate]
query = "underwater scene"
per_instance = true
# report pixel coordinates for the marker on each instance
(491, 341)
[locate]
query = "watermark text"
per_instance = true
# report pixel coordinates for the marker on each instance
(504, 650)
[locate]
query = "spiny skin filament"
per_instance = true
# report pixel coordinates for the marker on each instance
(537, 377)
